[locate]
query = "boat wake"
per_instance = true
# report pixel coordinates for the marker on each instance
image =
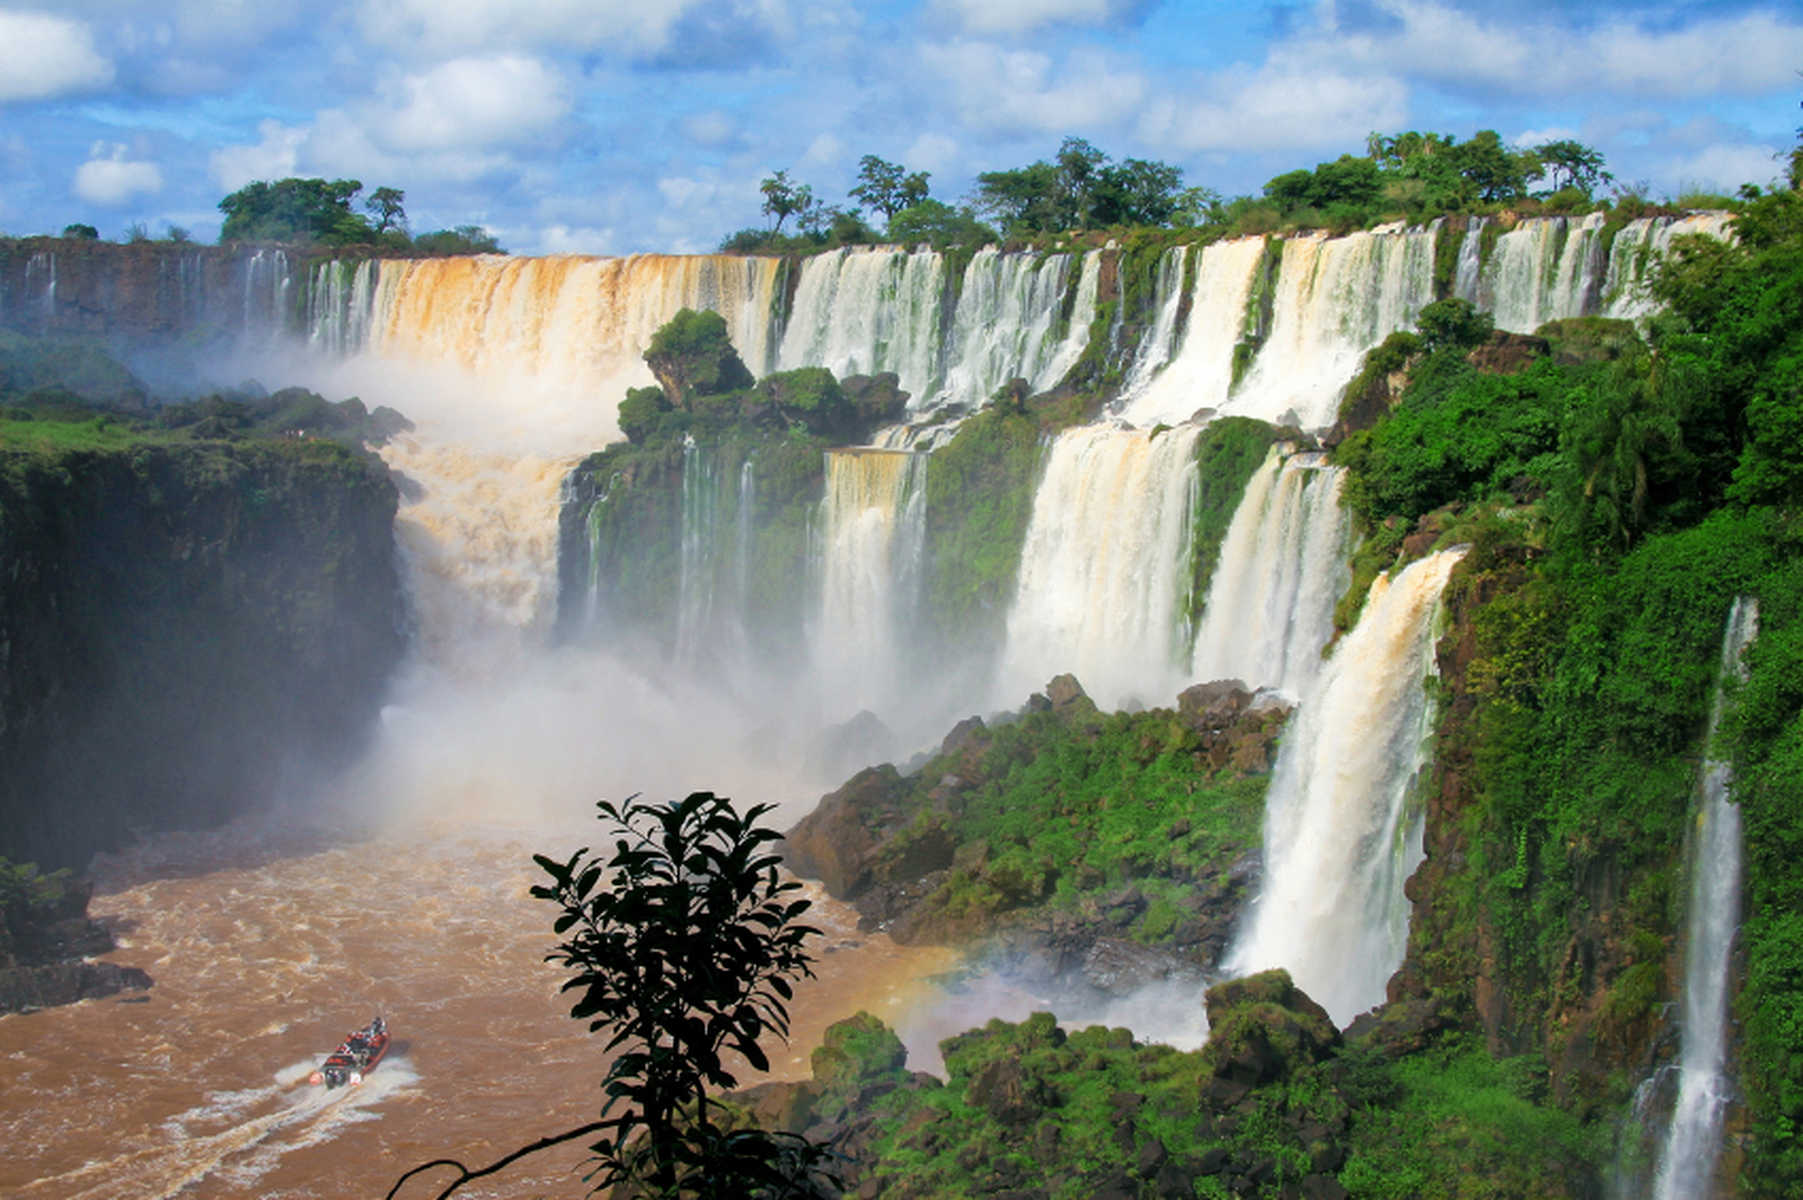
(235, 1137)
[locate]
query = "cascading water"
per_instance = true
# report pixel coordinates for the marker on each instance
(1693, 1143)
(1467, 273)
(1342, 832)
(1638, 245)
(1007, 323)
(1103, 582)
(860, 311)
(1156, 347)
(1201, 371)
(1282, 566)
(1336, 298)
(1544, 269)
(340, 305)
(700, 536)
(873, 532)
(572, 328)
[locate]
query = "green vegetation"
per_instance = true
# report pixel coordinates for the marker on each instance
(1276, 1104)
(1228, 451)
(1081, 188)
(1619, 494)
(689, 443)
(319, 211)
(979, 500)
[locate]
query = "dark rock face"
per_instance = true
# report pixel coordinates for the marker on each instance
(25, 988)
(43, 942)
(184, 628)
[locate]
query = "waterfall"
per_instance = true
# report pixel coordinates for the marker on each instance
(1687, 1162)
(570, 326)
(1342, 830)
(340, 305)
(700, 527)
(1007, 323)
(1103, 583)
(1167, 300)
(1544, 269)
(863, 311)
(1201, 371)
(873, 521)
(1282, 566)
(267, 284)
(1468, 271)
(1336, 298)
(1638, 245)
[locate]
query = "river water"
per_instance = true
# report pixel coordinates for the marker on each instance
(267, 944)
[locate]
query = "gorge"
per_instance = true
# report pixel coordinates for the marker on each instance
(1163, 502)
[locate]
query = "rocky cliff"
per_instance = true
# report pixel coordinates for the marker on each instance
(185, 627)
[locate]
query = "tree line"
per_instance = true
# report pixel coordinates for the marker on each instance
(1409, 175)
(321, 212)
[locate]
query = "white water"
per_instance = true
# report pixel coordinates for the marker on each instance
(1342, 829)
(1103, 581)
(1282, 566)
(1638, 245)
(1693, 1143)
(1200, 373)
(1007, 322)
(1167, 300)
(874, 526)
(860, 312)
(1336, 298)
(1544, 269)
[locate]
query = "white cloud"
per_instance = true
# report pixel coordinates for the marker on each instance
(1748, 54)
(824, 150)
(273, 157)
(435, 27)
(111, 180)
(1025, 90)
(1275, 107)
(1721, 168)
(566, 239)
(932, 152)
(712, 128)
(42, 56)
(472, 103)
(1528, 138)
(1022, 16)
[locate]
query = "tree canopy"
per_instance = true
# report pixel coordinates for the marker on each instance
(888, 188)
(1081, 188)
(295, 210)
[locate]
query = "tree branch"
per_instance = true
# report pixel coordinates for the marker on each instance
(465, 1175)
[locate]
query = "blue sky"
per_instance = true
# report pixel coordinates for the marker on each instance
(614, 126)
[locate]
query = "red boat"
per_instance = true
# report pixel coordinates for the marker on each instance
(355, 1057)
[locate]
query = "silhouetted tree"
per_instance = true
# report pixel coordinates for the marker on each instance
(684, 944)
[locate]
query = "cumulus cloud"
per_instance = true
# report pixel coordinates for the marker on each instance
(1277, 106)
(1744, 54)
(274, 156)
(631, 27)
(1028, 91)
(567, 239)
(933, 152)
(42, 56)
(1722, 168)
(1023, 16)
(111, 180)
(473, 102)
